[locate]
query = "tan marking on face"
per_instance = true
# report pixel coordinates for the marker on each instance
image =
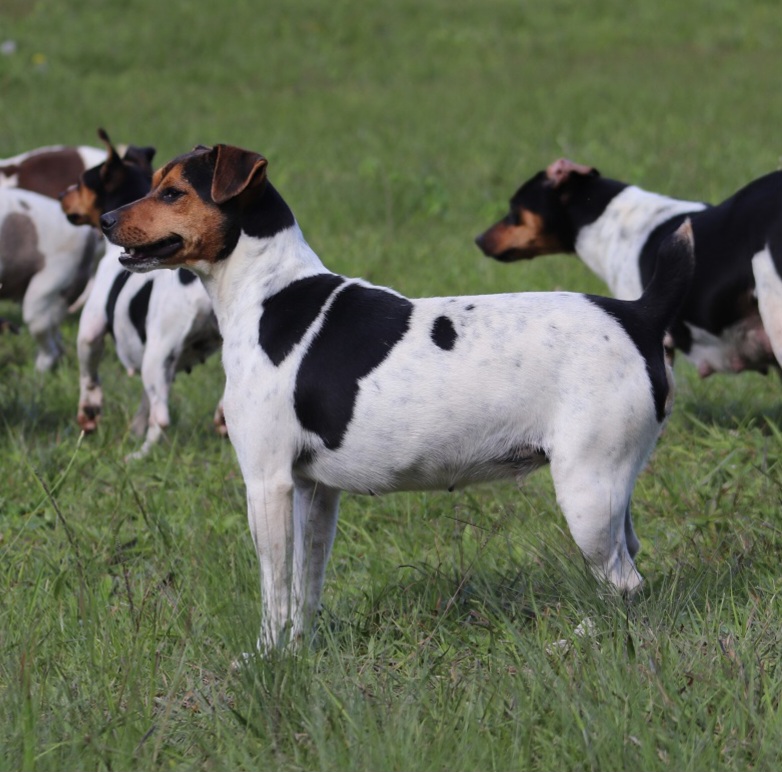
(518, 242)
(20, 258)
(80, 205)
(158, 216)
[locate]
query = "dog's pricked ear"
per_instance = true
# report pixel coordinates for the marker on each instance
(561, 170)
(235, 171)
(110, 150)
(141, 156)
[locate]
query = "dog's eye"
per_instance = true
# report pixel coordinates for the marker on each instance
(169, 195)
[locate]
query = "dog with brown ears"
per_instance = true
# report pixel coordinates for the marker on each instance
(334, 384)
(161, 324)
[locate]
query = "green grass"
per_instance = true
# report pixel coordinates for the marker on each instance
(397, 132)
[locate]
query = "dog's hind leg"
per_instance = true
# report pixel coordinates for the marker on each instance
(596, 503)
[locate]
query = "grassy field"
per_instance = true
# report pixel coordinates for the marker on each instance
(397, 132)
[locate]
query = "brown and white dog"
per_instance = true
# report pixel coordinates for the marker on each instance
(45, 264)
(731, 319)
(48, 171)
(161, 324)
(335, 384)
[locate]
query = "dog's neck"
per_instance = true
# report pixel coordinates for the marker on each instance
(611, 244)
(256, 269)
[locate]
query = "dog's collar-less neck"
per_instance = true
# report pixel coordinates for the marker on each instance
(611, 244)
(267, 214)
(258, 268)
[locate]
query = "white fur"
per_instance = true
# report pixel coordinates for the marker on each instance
(177, 315)
(530, 374)
(612, 244)
(68, 257)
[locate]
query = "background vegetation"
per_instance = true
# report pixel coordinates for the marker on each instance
(397, 132)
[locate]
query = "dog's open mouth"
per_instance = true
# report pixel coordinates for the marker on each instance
(151, 254)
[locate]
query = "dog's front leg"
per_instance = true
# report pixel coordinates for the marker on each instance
(157, 375)
(315, 511)
(93, 326)
(274, 532)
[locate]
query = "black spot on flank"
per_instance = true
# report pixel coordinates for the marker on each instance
(186, 277)
(443, 333)
(111, 302)
(138, 309)
(362, 325)
(470, 307)
(288, 315)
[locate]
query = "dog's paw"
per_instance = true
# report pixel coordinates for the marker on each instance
(88, 418)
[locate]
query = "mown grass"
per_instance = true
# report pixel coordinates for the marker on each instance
(396, 132)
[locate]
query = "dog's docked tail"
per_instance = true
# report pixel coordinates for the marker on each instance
(663, 297)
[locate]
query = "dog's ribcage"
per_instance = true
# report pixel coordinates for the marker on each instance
(375, 392)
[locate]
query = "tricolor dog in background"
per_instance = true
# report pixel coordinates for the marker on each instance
(731, 319)
(335, 384)
(161, 324)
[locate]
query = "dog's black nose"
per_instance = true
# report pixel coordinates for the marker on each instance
(108, 221)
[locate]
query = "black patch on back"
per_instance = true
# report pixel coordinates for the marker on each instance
(120, 280)
(138, 309)
(362, 325)
(443, 333)
(648, 341)
(288, 314)
(186, 277)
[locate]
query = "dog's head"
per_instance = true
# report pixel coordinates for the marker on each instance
(538, 222)
(198, 205)
(117, 181)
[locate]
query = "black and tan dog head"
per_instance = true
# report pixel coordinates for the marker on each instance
(198, 206)
(117, 181)
(538, 223)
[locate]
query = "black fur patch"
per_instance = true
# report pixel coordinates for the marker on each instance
(648, 342)
(138, 309)
(443, 333)
(288, 314)
(111, 302)
(186, 277)
(361, 327)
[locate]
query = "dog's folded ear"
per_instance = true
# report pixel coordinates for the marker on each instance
(561, 171)
(235, 171)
